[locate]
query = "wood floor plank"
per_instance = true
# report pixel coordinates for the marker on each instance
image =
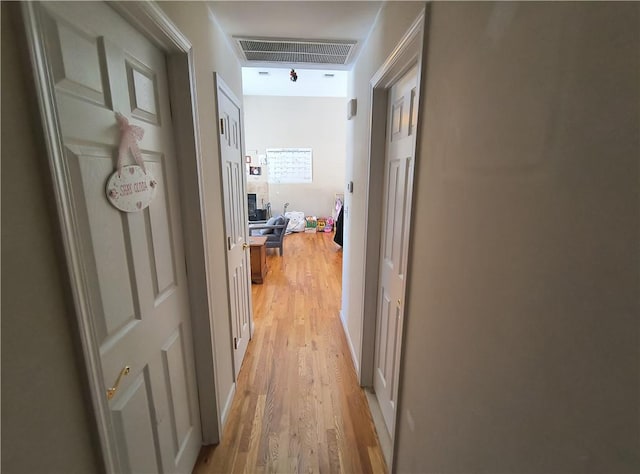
(298, 406)
(377, 461)
(256, 436)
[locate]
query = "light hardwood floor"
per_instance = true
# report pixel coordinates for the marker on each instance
(298, 406)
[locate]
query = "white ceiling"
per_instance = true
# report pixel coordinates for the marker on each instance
(334, 20)
(310, 83)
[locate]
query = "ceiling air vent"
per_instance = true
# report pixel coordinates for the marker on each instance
(296, 51)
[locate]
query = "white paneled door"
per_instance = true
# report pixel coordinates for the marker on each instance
(398, 179)
(235, 219)
(133, 263)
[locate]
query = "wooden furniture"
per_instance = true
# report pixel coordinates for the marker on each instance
(258, 253)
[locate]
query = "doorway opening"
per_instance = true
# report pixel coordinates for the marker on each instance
(298, 399)
(295, 158)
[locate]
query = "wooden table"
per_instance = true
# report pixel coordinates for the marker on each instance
(258, 252)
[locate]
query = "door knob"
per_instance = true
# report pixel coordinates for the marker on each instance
(112, 391)
(245, 246)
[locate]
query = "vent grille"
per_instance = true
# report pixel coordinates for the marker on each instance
(296, 51)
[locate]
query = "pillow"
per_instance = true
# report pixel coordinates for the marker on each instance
(296, 221)
(271, 221)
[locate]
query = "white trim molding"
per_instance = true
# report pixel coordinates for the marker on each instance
(403, 56)
(347, 335)
(151, 21)
(227, 405)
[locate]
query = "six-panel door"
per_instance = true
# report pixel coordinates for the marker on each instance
(133, 263)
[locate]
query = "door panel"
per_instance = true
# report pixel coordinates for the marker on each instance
(382, 339)
(133, 263)
(236, 218)
(135, 422)
(109, 250)
(175, 370)
(160, 238)
(77, 61)
(389, 237)
(141, 82)
(401, 123)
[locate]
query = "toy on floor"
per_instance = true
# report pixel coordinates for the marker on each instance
(328, 226)
(312, 224)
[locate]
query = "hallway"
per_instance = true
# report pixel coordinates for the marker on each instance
(298, 406)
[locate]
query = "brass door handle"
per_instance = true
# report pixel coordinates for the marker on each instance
(245, 246)
(112, 391)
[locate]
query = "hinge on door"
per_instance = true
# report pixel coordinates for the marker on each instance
(235, 343)
(221, 126)
(186, 267)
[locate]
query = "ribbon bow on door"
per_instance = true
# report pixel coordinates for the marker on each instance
(130, 188)
(130, 135)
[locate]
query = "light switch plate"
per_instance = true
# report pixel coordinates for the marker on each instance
(352, 108)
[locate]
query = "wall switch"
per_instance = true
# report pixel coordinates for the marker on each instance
(352, 108)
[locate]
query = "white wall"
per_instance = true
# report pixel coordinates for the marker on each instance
(393, 21)
(300, 122)
(212, 52)
(46, 420)
(522, 346)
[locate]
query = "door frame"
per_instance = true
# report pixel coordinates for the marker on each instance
(154, 24)
(220, 85)
(407, 54)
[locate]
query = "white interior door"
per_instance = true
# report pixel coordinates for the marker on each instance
(133, 263)
(398, 178)
(236, 219)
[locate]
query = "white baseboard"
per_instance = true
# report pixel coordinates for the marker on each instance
(354, 357)
(386, 442)
(227, 408)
